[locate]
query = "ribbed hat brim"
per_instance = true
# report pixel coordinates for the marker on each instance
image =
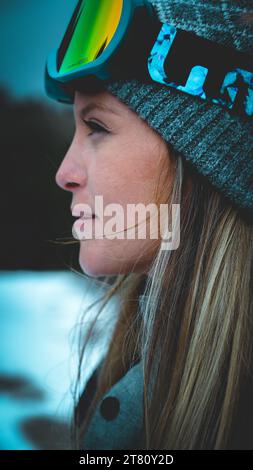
(219, 145)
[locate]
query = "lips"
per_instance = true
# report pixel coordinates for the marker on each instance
(83, 226)
(79, 212)
(83, 216)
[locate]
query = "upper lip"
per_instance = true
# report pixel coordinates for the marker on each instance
(83, 214)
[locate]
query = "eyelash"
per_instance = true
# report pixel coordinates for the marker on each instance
(95, 127)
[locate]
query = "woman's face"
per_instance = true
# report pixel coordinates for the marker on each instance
(115, 155)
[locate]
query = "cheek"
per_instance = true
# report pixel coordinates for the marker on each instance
(112, 257)
(122, 178)
(125, 176)
(139, 163)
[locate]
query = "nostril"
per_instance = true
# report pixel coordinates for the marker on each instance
(72, 185)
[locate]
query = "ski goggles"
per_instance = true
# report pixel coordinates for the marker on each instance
(124, 39)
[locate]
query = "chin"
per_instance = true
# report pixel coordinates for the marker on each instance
(104, 258)
(93, 262)
(90, 268)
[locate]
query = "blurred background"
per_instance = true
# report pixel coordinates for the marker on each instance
(41, 289)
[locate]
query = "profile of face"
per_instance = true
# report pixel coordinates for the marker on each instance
(114, 154)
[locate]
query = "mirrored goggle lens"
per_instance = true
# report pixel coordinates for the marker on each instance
(89, 33)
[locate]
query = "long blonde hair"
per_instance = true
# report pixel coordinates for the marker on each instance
(189, 320)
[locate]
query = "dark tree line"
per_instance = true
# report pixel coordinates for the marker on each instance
(34, 138)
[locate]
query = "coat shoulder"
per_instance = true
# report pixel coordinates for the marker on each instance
(117, 422)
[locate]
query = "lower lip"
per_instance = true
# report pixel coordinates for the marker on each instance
(80, 224)
(83, 221)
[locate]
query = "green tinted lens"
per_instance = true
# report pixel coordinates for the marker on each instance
(90, 31)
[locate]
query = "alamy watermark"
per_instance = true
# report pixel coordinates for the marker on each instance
(108, 222)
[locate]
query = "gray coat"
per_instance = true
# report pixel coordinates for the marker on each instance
(118, 419)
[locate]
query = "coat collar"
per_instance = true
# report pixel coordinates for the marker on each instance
(124, 402)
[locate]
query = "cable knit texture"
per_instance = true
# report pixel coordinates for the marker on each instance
(218, 143)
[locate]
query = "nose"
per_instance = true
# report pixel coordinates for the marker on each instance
(70, 174)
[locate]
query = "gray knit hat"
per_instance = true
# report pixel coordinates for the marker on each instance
(218, 143)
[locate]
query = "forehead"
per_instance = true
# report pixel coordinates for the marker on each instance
(114, 111)
(117, 112)
(102, 100)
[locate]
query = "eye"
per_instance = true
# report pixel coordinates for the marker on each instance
(95, 127)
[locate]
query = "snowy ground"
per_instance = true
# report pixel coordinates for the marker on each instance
(38, 358)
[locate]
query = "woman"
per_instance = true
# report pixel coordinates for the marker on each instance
(178, 367)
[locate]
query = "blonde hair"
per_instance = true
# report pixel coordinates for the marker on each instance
(191, 324)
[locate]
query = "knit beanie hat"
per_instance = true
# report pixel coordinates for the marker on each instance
(218, 143)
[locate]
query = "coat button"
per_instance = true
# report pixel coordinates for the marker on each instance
(109, 408)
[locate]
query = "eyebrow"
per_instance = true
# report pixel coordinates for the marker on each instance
(96, 106)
